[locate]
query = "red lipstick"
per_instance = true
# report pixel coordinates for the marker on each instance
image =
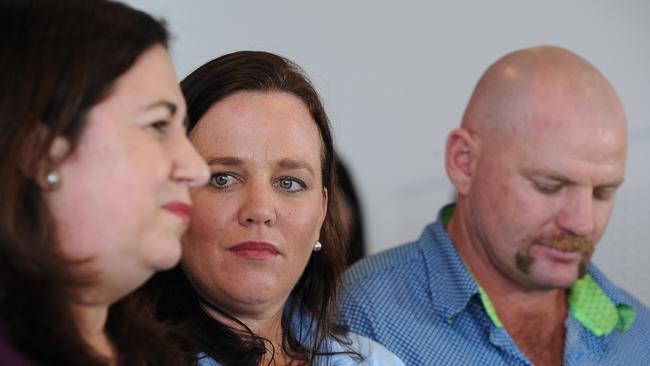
(179, 209)
(255, 250)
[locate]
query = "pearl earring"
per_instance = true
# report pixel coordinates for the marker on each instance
(53, 178)
(318, 246)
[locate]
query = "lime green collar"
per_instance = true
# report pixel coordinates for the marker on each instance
(595, 311)
(589, 305)
(587, 302)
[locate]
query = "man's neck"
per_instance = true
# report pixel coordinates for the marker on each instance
(533, 318)
(536, 324)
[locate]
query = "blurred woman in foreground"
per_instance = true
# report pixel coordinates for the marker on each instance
(96, 169)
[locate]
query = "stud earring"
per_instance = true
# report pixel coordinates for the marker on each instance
(318, 246)
(53, 178)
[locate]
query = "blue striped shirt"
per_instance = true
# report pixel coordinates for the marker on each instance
(420, 301)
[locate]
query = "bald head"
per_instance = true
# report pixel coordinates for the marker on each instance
(539, 156)
(534, 86)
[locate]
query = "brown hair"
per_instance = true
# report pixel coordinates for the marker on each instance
(317, 289)
(57, 60)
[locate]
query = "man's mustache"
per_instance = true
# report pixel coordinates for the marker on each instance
(570, 243)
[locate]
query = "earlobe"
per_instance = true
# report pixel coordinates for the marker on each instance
(47, 173)
(460, 156)
(43, 169)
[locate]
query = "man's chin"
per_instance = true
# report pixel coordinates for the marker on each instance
(558, 278)
(545, 271)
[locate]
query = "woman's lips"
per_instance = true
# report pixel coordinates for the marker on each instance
(254, 250)
(180, 209)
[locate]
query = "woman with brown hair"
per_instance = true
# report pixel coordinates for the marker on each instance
(96, 172)
(259, 277)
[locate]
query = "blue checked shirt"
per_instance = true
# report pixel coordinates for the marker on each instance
(420, 302)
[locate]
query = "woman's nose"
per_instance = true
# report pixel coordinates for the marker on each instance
(258, 207)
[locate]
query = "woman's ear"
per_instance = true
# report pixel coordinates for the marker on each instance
(461, 155)
(324, 207)
(47, 174)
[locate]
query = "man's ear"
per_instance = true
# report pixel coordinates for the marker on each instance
(461, 155)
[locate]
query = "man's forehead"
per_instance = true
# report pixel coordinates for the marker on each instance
(545, 85)
(565, 155)
(555, 117)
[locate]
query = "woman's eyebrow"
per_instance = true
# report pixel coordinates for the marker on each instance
(295, 164)
(171, 107)
(226, 160)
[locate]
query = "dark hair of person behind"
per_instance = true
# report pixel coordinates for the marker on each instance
(57, 60)
(317, 289)
(355, 236)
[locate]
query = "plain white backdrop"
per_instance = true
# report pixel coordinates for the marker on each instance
(395, 77)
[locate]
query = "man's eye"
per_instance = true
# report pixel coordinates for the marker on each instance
(221, 180)
(603, 194)
(547, 188)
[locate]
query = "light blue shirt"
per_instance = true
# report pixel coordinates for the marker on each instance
(373, 353)
(420, 301)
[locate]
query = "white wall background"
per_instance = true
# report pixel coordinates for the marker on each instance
(395, 77)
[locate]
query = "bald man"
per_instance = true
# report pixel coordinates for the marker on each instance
(503, 276)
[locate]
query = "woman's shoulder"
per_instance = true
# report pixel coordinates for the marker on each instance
(10, 356)
(204, 360)
(373, 353)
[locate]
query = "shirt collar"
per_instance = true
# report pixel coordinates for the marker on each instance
(451, 286)
(598, 308)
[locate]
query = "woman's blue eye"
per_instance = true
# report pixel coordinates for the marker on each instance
(221, 180)
(291, 184)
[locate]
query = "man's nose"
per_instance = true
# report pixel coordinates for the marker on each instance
(577, 215)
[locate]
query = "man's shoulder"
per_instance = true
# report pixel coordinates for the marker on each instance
(388, 286)
(389, 263)
(409, 270)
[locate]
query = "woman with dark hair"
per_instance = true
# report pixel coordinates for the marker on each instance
(259, 277)
(96, 172)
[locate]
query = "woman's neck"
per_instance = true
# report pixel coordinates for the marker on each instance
(91, 320)
(267, 326)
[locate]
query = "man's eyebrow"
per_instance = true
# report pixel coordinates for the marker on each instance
(226, 160)
(613, 184)
(296, 164)
(562, 179)
(547, 174)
